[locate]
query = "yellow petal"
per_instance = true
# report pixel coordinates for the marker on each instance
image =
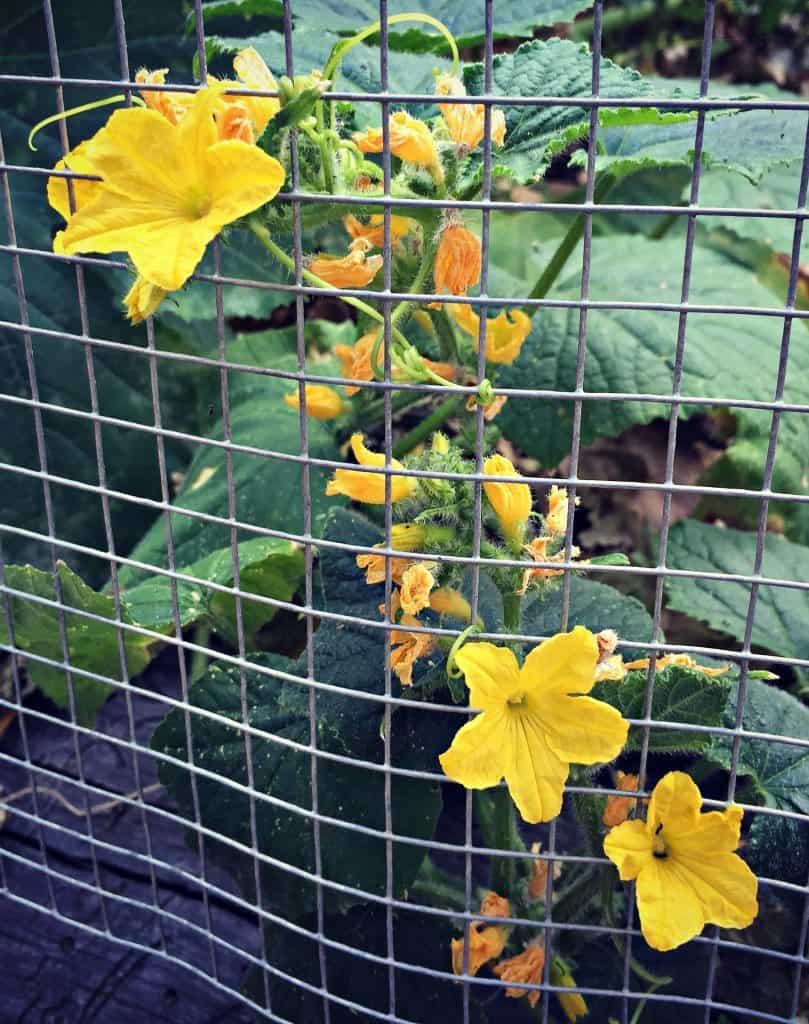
(142, 300)
(581, 729)
(675, 804)
(475, 757)
(322, 402)
(669, 912)
(535, 775)
(511, 502)
(83, 191)
(565, 663)
(253, 72)
(492, 674)
(724, 886)
(242, 178)
(629, 847)
(369, 487)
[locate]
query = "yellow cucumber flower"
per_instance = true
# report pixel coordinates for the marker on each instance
(534, 721)
(466, 121)
(511, 502)
(505, 333)
(355, 270)
(457, 260)
(142, 300)
(59, 193)
(417, 582)
(374, 231)
(524, 967)
(322, 402)
(166, 190)
(369, 487)
(684, 863)
(410, 140)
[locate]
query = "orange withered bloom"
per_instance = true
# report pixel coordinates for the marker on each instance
(556, 516)
(538, 550)
(356, 360)
(374, 568)
(407, 648)
(374, 231)
(172, 105)
(486, 942)
(446, 601)
(466, 121)
(410, 140)
(355, 270)
(458, 260)
(618, 807)
(491, 410)
(684, 660)
(525, 967)
(417, 582)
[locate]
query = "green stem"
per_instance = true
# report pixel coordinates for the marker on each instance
(447, 342)
(511, 612)
(342, 48)
(568, 244)
(494, 811)
(438, 887)
(420, 433)
(263, 235)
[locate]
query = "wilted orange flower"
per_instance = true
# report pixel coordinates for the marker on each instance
(417, 582)
(466, 121)
(355, 270)
(407, 648)
(618, 807)
(322, 402)
(611, 668)
(525, 967)
(172, 105)
(538, 882)
(485, 942)
(356, 362)
(491, 410)
(410, 140)
(374, 231)
(607, 640)
(369, 487)
(457, 261)
(538, 550)
(505, 333)
(374, 568)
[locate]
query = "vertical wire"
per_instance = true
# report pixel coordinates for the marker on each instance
(120, 31)
(306, 495)
(477, 520)
(227, 435)
(671, 448)
(575, 441)
(761, 535)
(387, 716)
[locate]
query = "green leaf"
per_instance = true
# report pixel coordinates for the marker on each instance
(750, 142)
(777, 190)
(781, 612)
(91, 646)
(465, 21)
(680, 695)
(556, 67)
(594, 605)
(419, 938)
(267, 488)
(268, 567)
(779, 773)
(632, 351)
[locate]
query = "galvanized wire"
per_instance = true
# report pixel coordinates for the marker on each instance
(143, 851)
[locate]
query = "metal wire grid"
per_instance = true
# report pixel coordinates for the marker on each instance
(675, 400)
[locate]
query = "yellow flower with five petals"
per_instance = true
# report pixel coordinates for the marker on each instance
(505, 333)
(535, 720)
(166, 190)
(684, 864)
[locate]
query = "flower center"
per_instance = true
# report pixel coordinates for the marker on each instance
(658, 845)
(198, 204)
(517, 699)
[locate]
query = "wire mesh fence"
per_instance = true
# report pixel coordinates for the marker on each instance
(295, 719)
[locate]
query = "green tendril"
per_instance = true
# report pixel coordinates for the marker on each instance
(453, 672)
(77, 110)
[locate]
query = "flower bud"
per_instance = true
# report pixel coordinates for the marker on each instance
(142, 300)
(511, 502)
(322, 402)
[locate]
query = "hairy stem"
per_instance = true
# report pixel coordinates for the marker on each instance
(421, 432)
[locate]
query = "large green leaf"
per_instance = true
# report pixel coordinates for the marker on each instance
(268, 489)
(350, 658)
(781, 612)
(680, 695)
(632, 351)
(594, 605)
(465, 21)
(556, 67)
(778, 772)
(268, 567)
(749, 142)
(91, 646)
